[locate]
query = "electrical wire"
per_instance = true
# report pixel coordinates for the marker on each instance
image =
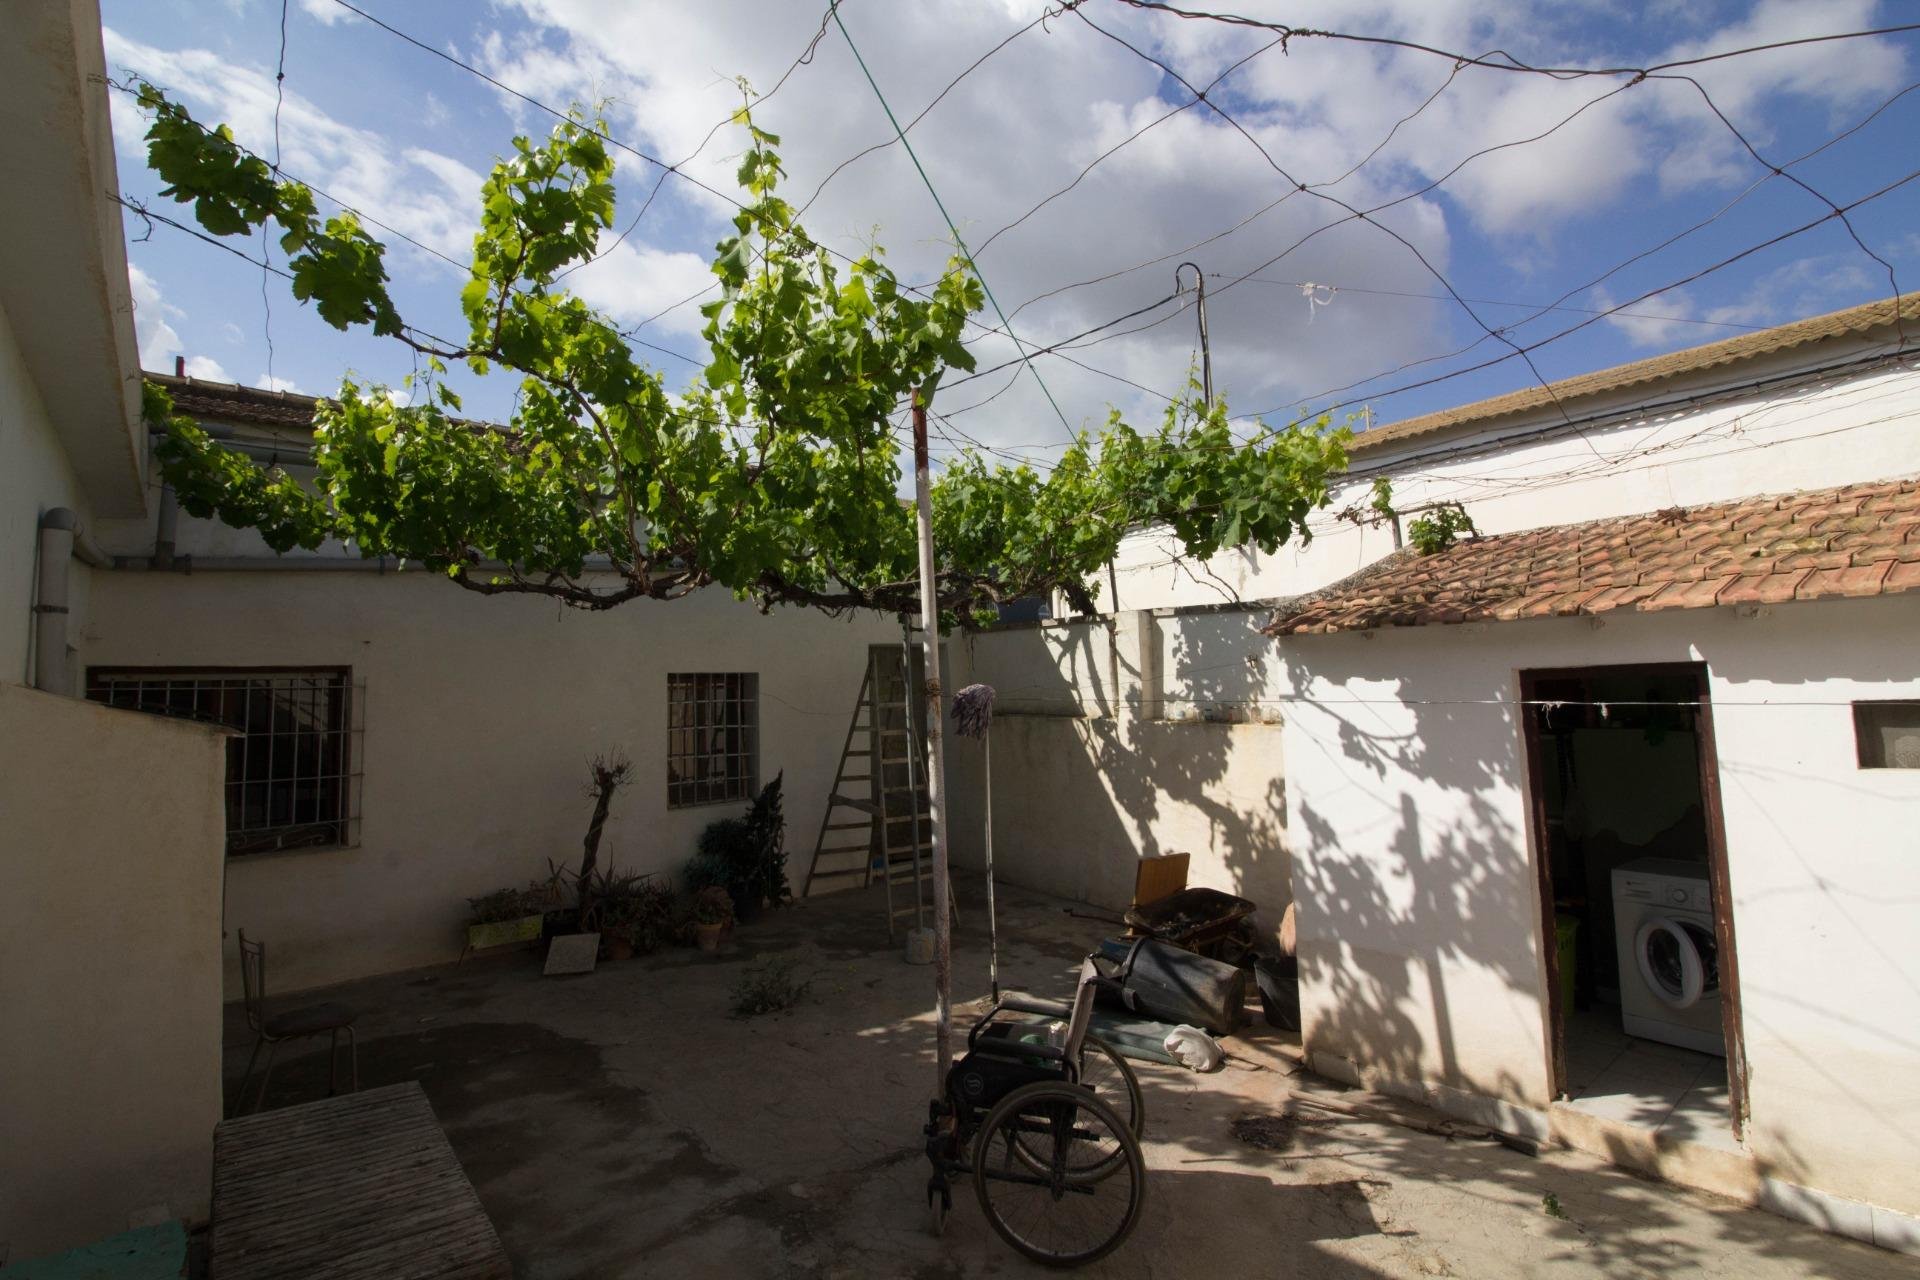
(958, 239)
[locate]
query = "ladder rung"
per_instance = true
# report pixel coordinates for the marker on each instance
(856, 777)
(896, 759)
(850, 826)
(842, 848)
(830, 872)
(903, 850)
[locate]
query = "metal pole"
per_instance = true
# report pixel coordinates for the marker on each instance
(913, 789)
(993, 926)
(936, 757)
(1206, 353)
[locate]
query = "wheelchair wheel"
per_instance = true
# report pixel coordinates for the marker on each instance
(1109, 1077)
(1062, 1214)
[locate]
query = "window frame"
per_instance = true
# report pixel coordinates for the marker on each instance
(1867, 728)
(690, 746)
(343, 728)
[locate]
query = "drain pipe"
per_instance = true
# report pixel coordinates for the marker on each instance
(166, 530)
(61, 539)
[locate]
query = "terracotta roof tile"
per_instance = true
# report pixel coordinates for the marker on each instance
(1850, 323)
(225, 402)
(1761, 550)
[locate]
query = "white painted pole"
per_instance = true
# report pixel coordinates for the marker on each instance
(936, 756)
(993, 924)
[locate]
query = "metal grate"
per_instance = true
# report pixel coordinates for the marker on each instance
(292, 780)
(713, 738)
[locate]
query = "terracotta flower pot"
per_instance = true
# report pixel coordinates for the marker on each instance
(708, 936)
(619, 948)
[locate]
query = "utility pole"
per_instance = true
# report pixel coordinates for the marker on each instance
(1206, 352)
(936, 756)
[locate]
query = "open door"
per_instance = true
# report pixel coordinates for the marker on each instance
(1636, 920)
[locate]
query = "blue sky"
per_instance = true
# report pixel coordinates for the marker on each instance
(405, 137)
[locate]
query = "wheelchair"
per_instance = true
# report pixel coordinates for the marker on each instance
(1046, 1119)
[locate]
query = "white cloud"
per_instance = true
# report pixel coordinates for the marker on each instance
(207, 369)
(1051, 102)
(268, 382)
(152, 322)
(160, 344)
(631, 283)
(325, 12)
(1805, 287)
(421, 193)
(1661, 321)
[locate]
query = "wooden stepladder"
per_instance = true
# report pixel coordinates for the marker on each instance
(877, 822)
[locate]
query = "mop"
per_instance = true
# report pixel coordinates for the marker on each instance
(972, 714)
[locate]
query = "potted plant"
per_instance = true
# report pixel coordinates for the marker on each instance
(746, 856)
(725, 860)
(502, 917)
(712, 913)
(767, 834)
(633, 912)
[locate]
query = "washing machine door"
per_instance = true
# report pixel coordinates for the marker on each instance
(1678, 960)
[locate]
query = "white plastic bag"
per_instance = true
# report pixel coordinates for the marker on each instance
(1194, 1049)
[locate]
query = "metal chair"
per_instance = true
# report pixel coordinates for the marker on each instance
(295, 1024)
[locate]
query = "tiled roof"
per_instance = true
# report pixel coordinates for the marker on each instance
(225, 402)
(1859, 540)
(1850, 323)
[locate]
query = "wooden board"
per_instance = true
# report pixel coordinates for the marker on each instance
(1158, 876)
(360, 1186)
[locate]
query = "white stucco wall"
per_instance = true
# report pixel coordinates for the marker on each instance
(1093, 768)
(479, 716)
(35, 477)
(1418, 910)
(1832, 431)
(110, 982)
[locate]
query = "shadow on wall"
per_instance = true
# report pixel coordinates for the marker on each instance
(1417, 908)
(1080, 794)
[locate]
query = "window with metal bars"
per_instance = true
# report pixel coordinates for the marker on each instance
(713, 737)
(291, 779)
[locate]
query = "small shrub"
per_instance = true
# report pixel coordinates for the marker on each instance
(504, 904)
(638, 908)
(769, 988)
(1437, 530)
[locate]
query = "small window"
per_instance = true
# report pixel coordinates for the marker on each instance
(290, 771)
(1888, 734)
(713, 738)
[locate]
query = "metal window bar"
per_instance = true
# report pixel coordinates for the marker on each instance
(293, 769)
(713, 737)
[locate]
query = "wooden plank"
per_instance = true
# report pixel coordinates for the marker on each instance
(359, 1186)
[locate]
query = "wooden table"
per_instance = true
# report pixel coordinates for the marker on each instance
(363, 1185)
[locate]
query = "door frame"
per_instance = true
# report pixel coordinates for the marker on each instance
(1709, 766)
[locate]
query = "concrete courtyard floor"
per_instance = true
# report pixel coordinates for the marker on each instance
(624, 1124)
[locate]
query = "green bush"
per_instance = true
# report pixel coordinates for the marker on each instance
(769, 988)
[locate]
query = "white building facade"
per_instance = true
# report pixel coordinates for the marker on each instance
(1383, 778)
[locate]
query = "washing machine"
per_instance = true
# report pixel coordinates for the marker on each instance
(1669, 954)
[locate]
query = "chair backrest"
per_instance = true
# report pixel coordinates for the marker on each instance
(1082, 1009)
(253, 979)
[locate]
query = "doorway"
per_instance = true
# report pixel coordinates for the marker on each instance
(1636, 922)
